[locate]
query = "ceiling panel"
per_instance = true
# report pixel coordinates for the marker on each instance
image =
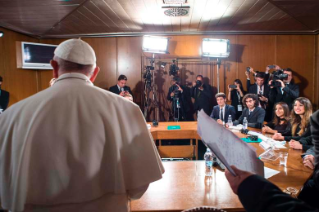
(67, 18)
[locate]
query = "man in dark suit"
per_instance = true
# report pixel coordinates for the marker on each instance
(4, 97)
(120, 88)
(262, 90)
(180, 97)
(222, 111)
(287, 91)
(255, 115)
(202, 93)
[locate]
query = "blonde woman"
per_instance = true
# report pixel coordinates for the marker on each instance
(300, 127)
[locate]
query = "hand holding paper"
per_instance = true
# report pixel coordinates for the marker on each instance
(228, 147)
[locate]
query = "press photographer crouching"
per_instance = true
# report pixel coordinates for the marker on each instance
(254, 114)
(282, 87)
(179, 95)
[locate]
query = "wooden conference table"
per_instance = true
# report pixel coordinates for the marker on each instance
(185, 186)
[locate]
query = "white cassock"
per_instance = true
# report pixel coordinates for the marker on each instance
(75, 147)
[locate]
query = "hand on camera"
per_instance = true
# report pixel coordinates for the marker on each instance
(247, 74)
(282, 83)
(267, 69)
(229, 88)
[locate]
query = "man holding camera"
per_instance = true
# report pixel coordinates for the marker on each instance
(202, 94)
(121, 89)
(282, 89)
(180, 97)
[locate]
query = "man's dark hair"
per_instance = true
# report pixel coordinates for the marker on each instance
(220, 95)
(122, 77)
(252, 96)
(260, 75)
(199, 75)
(289, 69)
(0, 78)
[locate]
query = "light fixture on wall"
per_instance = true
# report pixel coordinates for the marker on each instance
(155, 44)
(1, 34)
(216, 48)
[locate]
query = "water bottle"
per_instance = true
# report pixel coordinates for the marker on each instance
(230, 121)
(245, 123)
(208, 157)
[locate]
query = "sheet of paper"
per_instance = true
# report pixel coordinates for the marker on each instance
(228, 147)
(270, 172)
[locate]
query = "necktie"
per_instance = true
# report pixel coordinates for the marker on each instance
(260, 90)
(221, 114)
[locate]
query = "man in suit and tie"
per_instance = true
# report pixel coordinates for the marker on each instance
(261, 89)
(4, 97)
(254, 114)
(287, 92)
(120, 88)
(222, 111)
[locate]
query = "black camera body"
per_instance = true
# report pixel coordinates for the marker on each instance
(233, 86)
(278, 75)
(198, 83)
(173, 70)
(176, 91)
(248, 69)
(271, 66)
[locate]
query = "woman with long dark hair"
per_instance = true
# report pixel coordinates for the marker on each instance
(235, 95)
(281, 121)
(300, 126)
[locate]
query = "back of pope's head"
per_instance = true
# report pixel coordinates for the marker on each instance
(74, 55)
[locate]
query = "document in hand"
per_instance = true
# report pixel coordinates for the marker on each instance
(228, 147)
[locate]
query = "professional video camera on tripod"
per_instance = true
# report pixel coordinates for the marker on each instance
(149, 87)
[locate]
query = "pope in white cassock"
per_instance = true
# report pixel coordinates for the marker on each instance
(74, 146)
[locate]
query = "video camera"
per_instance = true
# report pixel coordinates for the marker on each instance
(198, 83)
(173, 69)
(278, 75)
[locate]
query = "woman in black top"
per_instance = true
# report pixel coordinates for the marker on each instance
(281, 122)
(235, 95)
(300, 127)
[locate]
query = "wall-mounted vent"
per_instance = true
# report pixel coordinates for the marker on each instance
(174, 1)
(176, 11)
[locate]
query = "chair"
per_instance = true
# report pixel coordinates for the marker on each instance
(204, 209)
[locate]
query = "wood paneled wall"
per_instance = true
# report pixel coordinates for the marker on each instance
(123, 55)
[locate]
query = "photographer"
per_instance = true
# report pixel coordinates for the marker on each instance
(180, 97)
(262, 90)
(121, 89)
(202, 94)
(283, 89)
(251, 70)
(235, 95)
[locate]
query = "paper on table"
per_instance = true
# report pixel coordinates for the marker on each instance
(270, 172)
(228, 147)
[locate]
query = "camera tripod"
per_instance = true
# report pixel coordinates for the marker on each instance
(150, 93)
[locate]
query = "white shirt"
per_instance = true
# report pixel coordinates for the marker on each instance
(75, 147)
